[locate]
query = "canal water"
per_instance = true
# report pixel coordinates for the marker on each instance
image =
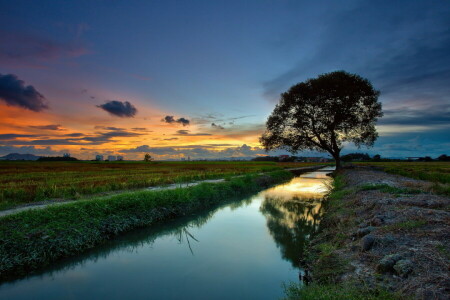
(245, 249)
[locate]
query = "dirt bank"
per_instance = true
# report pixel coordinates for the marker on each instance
(383, 230)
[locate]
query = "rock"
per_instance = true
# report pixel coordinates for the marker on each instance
(367, 242)
(364, 231)
(387, 263)
(377, 221)
(403, 267)
(388, 239)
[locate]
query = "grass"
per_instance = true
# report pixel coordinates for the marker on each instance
(406, 225)
(326, 265)
(35, 238)
(436, 172)
(389, 189)
(25, 182)
(337, 292)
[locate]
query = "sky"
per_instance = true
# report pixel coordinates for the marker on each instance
(198, 79)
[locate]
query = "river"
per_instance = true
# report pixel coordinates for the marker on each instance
(244, 249)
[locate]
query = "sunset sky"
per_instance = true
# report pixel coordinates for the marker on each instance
(199, 78)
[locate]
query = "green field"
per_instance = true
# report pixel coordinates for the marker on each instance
(436, 172)
(24, 182)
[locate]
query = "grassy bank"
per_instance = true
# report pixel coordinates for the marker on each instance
(33, 239)
(322, 258)
(436, 172)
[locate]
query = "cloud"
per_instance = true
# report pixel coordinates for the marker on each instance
(27, 150)
(76, 138)
(427, 115)
(214, 125)
(11, 136)
(170, 139)
(186, 133)
(14, 93)
(109, 128)
(47, 127)
(171, 120)
(119, 108)
(198, 151)
(23, 49)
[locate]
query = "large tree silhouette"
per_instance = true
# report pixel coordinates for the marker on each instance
(322, 113)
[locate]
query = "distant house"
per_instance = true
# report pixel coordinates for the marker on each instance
(99, 157)
(112, 158)
(283, 157)
(66, 155)
(119, 157)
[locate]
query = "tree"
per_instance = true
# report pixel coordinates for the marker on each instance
(147, 157)
(444, 157)
(322, 113)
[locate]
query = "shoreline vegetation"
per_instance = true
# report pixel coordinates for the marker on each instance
(383, 236)
(33, 239)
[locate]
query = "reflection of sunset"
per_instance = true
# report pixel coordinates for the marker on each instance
(301, 188)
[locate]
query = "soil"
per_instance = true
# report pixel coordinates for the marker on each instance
(398, 239)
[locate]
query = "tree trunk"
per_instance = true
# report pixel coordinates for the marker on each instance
(337, 158)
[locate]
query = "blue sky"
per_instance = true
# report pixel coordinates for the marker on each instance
(221, 62)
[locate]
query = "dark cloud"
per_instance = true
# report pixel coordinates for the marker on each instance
(14, 92)
(48, 127)
(26, 50)
(69, 139)
(186, 133)
(11, 136)
(119, 108)
(143, 148)
(171, 120)
(139, 128)
(27, 150)
(75, 134)
(425, 116)
(217, 126)
(406, 55)
(170, 139)
(109, 128)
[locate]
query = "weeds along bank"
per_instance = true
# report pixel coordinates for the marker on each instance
(35, 238)
(383, 236)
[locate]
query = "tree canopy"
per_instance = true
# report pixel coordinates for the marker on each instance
(323, 113)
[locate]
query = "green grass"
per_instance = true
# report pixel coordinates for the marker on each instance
(388, 189)
(35, 238)
(436, 172)
(406, 225)
(337, 292)
(24, 182)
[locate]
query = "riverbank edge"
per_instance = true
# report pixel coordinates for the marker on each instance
(33, 239)
(324, 268)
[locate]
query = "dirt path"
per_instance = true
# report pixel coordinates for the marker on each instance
(386, 232)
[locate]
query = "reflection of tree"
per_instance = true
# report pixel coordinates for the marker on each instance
(291, 223)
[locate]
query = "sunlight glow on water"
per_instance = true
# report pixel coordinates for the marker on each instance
(241, 250)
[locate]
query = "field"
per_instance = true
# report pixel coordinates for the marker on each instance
(25, 182)
(436, 172)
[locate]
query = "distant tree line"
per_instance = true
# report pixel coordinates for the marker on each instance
(352, 157)
(57, 158)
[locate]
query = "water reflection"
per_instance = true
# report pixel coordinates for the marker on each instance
(293, 212)
(242, 249)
